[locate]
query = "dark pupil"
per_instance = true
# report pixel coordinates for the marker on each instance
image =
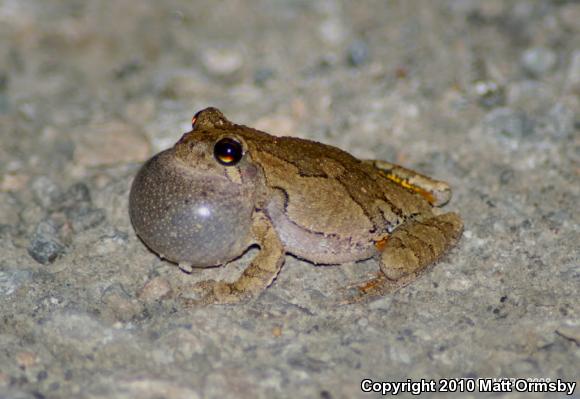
(228, 151)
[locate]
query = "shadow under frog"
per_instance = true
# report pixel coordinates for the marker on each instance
(224, 187)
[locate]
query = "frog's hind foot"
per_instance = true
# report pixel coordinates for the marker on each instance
(406, 254)
(417, 244)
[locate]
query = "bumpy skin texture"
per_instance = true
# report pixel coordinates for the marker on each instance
(287, 195)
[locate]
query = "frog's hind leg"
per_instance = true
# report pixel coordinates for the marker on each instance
(408, 252)
(436, 192)
(418, 243)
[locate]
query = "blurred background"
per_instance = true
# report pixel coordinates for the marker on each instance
(482, 94)
(325, 69)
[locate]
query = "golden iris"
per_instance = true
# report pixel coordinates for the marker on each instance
(228, 151)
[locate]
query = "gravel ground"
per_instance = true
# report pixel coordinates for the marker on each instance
(482, 94)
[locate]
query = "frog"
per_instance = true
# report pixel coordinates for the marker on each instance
(225, 187)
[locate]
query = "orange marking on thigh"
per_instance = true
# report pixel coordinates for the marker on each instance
(380, 245)
(405, 183)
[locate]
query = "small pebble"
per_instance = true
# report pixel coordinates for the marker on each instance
(13, 181)
(459, 284)
(505, 122)
(4, 379)
(332, 31)
(9, 209)
(363, 322)
(76, 204)
(155, 289)
(45, 245)
(277, 331)
(538, 61)
(30, 214)
(506, 176)
(10, 280)
(530, 96)
(178, 84)
(569, 16)
(110, 242)
(262, 75)
(78, 331)
(46, 192)
(128, 69)
(76, 194)
(358, 53)
(26, 359)
(222, 62)
(570, 331)
(84, 218)
(118, 302)
(489, 93)
(559, 122)
(42, 375)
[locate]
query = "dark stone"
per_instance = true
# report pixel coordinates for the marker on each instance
(77, 193)
(76, 204)
(325, 395)
(489, 93)
(506, 176)
(358, 53)
(128, 69)
(6, 230)
(85, 218)
(42, 375)
(262, 75)
(45, 245)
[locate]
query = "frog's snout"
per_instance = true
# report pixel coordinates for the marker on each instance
(188, 216)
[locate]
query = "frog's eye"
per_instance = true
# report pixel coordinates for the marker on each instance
(228, 151)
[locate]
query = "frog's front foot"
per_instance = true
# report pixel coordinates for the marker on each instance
(212, 292)
(257, 276)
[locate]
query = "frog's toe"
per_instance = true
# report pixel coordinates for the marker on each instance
(373, 288)
(210, 292)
